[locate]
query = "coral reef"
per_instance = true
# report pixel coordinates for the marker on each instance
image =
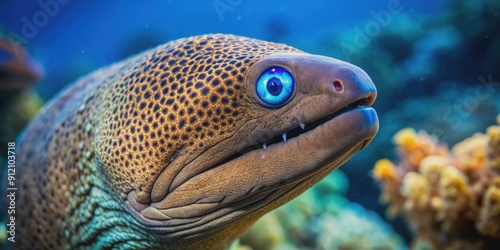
(321, 218)
(450, 198)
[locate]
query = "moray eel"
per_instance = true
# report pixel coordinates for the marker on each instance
(186, 145)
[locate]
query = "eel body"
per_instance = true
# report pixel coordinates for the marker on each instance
(186, 145)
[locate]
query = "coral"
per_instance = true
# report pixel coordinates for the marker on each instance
(353, 227)
(322, 218)
(450, 199)
(414, 147)
(17, 108)
(3, 233)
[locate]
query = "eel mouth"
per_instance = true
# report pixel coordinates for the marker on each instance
(301, 129)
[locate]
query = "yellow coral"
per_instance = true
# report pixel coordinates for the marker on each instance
(494, 144)
(414, 147)
(489, 216)
(458, 201)
(451, 200)
(416, 189)
(494, 134)
(431, 167)
(407, 139)
(470, 154)
(384, 170)
(452, 183)
(409, 146)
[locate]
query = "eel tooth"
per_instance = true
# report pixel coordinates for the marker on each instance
(302, 125)
(284, 137)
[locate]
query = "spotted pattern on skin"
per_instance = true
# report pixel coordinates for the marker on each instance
(53, 156)
(178, 99)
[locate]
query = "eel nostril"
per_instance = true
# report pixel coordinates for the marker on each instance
(337, 86)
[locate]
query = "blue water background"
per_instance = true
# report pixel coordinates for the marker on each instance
(82, 36)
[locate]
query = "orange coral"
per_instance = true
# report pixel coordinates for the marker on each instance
(413, 147)
(451, 200)
(385, 169)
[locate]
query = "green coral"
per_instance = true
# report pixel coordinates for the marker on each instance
(322, 218)
(17, 107)
(353, 227)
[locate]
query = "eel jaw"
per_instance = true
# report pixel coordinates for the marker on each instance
(303, 128)
(198, 199)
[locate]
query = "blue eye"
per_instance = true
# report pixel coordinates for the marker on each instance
(275, 86)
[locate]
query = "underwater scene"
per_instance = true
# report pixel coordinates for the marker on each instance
(250, 125)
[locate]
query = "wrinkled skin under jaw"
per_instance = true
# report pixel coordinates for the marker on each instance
(323, 129)
(265, 176)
